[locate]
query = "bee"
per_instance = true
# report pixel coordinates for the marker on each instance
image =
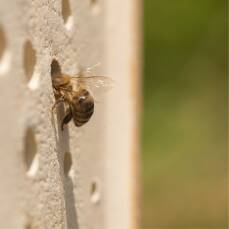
(74, 93)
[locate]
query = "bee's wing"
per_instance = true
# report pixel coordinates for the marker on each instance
(95, 84)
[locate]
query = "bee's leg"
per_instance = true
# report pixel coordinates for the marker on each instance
(58, 101)
(67, 118)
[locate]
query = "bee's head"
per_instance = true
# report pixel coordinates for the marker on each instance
(84, 101)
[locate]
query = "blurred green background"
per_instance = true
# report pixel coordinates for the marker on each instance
(185, 114)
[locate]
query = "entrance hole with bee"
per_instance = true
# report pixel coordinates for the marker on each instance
(71, 92)
(75, 93)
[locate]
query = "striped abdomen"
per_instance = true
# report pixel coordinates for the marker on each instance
(82, 107)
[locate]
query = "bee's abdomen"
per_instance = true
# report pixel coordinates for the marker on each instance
(80, 118)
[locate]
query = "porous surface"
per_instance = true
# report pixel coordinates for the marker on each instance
(80, 177)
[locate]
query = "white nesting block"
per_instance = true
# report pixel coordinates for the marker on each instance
(79, 178)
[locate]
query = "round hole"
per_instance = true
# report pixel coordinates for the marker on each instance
(31, 156)
(32, 78)
(4, 54)
(66, 13)
(2, 42)
(67, 163)
(55, 68)
(95, 192)
(55, 71)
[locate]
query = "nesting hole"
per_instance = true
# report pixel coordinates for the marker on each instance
(67, 14)
(67, 163)
(30, 59)
(2, 42)
(31, 156)
(4, 53)
(55, 68)
(55, 71)
(95, 191)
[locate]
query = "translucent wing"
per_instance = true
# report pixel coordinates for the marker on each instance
(95, 84)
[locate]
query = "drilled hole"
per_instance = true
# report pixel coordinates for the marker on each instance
(67, 14)
(4, 54)
(31, 156)
(55, 68)
(55, 71)
(67, 163)
(95, 191)
(32, 78)
(2, 42)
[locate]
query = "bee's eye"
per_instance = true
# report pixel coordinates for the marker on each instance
(81, 99)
